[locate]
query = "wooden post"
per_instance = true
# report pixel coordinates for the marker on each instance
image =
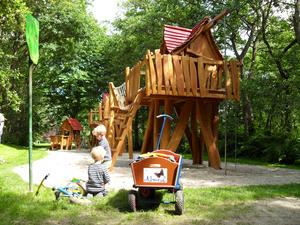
(195, 140)
(178, 132)
(130, 144)
(205, 117)
(149, 128)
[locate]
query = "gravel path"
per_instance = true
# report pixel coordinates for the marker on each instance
(65, 165)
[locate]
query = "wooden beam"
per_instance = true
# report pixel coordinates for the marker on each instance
(178, 132)
(194, 135)
(205, 114)
(214, 21)
(149, 128)
(130, 143)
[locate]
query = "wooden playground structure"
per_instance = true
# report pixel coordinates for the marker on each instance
(187, 77)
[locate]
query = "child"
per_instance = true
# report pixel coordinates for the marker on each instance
(99, 132)
(98, 174)
(2, 118)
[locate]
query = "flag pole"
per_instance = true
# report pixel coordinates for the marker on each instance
(30, 127)
(32, 39)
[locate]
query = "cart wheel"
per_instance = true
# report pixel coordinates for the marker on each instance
(147, 192)
(57, 194)
(132, 200)
(179, 204)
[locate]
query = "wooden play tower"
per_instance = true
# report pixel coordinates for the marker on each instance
(187, 77)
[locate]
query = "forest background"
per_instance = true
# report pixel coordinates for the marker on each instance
(79, 56)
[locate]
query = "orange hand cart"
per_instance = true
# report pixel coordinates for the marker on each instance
(159, 169)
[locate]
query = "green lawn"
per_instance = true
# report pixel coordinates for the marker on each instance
(202, 205)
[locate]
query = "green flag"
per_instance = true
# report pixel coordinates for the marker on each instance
(32, 37)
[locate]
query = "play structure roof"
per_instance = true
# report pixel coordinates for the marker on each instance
(75, 124)
(175, 37)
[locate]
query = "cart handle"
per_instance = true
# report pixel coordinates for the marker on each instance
(165, 116)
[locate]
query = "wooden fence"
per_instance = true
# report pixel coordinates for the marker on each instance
(184, 76)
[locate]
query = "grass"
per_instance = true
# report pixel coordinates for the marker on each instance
(202, 205)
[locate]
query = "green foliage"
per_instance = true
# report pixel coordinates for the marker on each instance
(78, 59)
(273, 149)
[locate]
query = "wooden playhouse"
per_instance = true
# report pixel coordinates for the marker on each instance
(69, 132)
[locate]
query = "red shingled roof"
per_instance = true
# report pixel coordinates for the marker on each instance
(75, 124)
(175, 36)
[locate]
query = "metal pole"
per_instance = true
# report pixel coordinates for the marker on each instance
(161, 130)
(30, 127)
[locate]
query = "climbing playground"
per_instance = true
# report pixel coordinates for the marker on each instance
(187, 77)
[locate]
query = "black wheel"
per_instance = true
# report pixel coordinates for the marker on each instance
(179, 204)
(147, 192)
(132, 200)
(57, 194)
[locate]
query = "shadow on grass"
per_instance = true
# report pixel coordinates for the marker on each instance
(119, 201)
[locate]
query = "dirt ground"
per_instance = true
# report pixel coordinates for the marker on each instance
(65, 165)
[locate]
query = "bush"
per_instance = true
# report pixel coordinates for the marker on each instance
(273, 149)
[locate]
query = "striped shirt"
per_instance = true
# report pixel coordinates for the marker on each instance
(98, 177)
(104, 143)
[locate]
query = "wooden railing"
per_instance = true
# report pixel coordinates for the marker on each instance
(132, 81)
(188, 76)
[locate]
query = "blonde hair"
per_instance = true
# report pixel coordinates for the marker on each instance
(99, 129)
(98, 153)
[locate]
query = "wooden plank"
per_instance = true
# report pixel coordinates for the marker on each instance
(137, 78)
(159, 71)
(127, 84)
(213, 76)
(228, 81)
(201, 77)
(178, 132)
(186, 75)
(166, 74)
(220, 76)
(147, 79)
(152, 74)
(193, 75)
(179, 75)
(110, 128)
(172, 75)
(232, 76)
(238, 80)
(235, 78)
